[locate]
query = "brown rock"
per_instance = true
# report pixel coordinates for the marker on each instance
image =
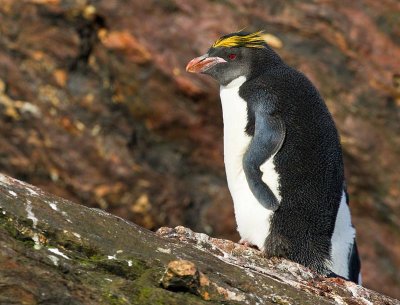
(181, 275)
(95, 94)
(57, 252)
(124, 41)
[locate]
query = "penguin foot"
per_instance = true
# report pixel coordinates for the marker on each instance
(247, 244)
(333, 276)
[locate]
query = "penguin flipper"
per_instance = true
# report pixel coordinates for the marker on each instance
(269, 134)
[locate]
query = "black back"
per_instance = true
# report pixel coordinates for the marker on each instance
(310, 167)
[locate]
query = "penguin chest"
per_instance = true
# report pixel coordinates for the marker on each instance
(253, 220)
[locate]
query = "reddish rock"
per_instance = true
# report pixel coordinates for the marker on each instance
(95, 106)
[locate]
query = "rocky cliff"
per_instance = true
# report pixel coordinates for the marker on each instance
(54, 251)
(95, 106)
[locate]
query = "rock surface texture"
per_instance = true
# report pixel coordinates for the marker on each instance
(53, 251)
(95, 106)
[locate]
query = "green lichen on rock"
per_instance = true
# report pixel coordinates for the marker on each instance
(56, 252)
(129, 269)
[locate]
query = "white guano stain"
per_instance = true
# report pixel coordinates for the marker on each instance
(54, 259)
(32, 217)
(32, 192)
(66, 216)
(53, 206)
(58, 252)
(162, 250)
(366, 301)
(235, 296)
(37, 245)
(13, 193)
(3, 179)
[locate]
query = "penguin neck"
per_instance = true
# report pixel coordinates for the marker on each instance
(234, 84)
(234, 107)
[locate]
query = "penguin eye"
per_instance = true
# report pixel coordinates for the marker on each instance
(232, 56)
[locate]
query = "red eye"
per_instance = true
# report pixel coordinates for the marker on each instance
(232, 56)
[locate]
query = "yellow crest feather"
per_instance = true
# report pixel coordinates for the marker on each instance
(252, 40)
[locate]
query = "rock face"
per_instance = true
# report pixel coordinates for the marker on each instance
(56, 252)
(95, 106)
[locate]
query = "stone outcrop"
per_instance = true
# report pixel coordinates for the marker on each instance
(53, 251)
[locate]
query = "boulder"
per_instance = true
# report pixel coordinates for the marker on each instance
(54, 251)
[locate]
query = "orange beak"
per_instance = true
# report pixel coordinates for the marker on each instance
(203, 63)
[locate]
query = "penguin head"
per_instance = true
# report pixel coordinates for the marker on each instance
(234, 55)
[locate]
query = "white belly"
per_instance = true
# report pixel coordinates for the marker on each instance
(253, 220)
(342, 239)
